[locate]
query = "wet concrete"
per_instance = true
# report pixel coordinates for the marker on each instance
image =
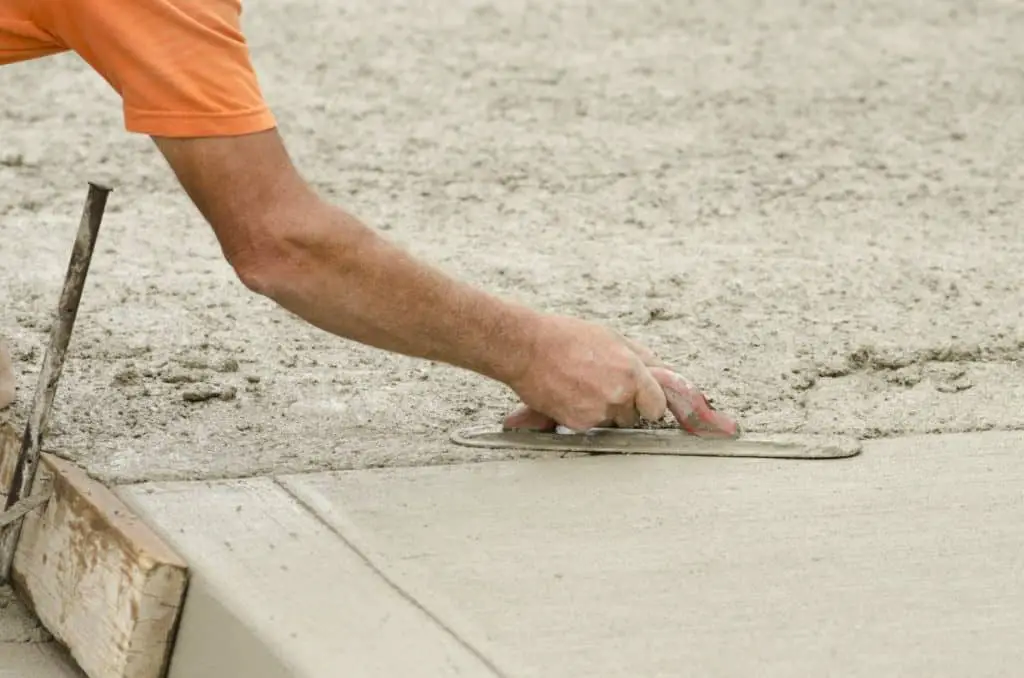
(810, 209)
(905, 560)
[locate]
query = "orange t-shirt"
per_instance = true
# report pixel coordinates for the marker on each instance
(182, 67)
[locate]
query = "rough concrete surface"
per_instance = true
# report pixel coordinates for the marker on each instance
(17, 625)
(26, 649)
(812, 209)
(906, 561)
(20, 660)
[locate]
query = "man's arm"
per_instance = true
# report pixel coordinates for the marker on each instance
(183, 70)
(322, 264)
(331, 270)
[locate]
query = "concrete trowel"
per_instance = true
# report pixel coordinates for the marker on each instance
(702, 431)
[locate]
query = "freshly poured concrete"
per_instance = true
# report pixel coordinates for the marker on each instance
(812, 209)
(908, 560)
(775, 196)
(275, 593)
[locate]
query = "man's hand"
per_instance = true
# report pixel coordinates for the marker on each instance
(685, 401)
(582, 375)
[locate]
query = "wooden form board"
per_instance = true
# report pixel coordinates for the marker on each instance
(100, 581)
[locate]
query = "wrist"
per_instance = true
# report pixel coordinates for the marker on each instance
(511, 354)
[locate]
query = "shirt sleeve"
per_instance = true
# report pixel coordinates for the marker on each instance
(182, 67)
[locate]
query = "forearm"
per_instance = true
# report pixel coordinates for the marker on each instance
(326, 267)
(337, 274)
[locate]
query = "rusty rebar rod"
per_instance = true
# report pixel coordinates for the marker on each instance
(49, 375)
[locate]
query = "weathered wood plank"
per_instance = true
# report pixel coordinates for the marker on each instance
(104, 584)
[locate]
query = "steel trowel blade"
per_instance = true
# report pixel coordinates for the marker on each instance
(662, 442)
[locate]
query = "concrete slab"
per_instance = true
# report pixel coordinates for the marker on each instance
(36, 660)
(276, 594)
(906, 561)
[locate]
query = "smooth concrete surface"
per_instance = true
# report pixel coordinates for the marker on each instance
(36, 660)
(905, 561)
(275, 593)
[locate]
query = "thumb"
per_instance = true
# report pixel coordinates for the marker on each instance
(526, 418)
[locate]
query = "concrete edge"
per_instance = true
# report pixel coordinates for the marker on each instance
(439, 608)
(269, 576)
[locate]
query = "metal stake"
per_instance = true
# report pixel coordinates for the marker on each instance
(53, 365)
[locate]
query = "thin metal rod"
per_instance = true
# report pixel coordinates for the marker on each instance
(53, 366)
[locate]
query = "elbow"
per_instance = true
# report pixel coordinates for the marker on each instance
(266, 261)
(256, 273)
(279, 253)
(262, 250)
(265, 242)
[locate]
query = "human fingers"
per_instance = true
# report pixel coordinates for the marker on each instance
(626, 417)
(651, 398)
(691, 409)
